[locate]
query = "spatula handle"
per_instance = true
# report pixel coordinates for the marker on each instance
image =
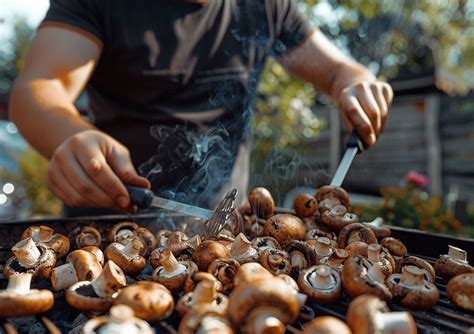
(141, 197)
(355, 141)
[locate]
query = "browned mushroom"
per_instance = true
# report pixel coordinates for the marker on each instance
(377, 226)
(262, 202)
(355, 232)
(204, 293)
(97, 295)
(460, 291)
(285, 228)
(275, 260)
(290, 282)
(368, 315)
(420, 263)
(315, 233)
(326, 325)
(155, 256)
(83, 236)
(452, 264)
(224, 270)
(302, 255)
(357, 248)
(172, 274)
(251, 271)
(120, 321)
(330, 196)
(378, 254)
(97, 253)
(394, 246)
(323, 249)
(19, 300)
(80, 266)
(207, 252)
(127, 257)
(242, 250)
(121, 232)
(162, 237)
(197, 276)
(36, 259)
(337, 218)
(150, 301)
(411, 290)
(337, 259)
(235, 223)
(45, 235)
(360, 276)
(204, 319)
(263, 242)
(305, 205)
(321, 283)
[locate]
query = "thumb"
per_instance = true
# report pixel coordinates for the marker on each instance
(122, 166)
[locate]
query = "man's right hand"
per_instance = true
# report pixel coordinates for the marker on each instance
(89, 169)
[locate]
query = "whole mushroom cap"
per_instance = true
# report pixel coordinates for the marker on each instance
(127, 257)
(452, 264)
(420, 263)
(355, 232)
(394, 246)
(150, 301)
(305, 205)
(333, 192)
(114, 236)
(262, 203)
(44, 234)
(326, 325)
(207, 252)
(460, 291)
(321, 283)
(285, 228)
(337, 217)
(82, 296)
(83, 236)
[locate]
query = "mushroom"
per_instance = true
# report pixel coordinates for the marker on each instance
(80, 266)
(315, 233)
(360, 276)
(377, 226)
(205, 293)
(337, 218)
(357, 248)
(302, 255)
(275, 260)
(97, 253)
(452, 264)
(355, 232)
(224, 270)
(290, 282)
(19, 300)
(257, 230)
(242, 250)
(261, 202)
(330, 196)
(125, 231)
(337, 259)
(172, 274)
(197, 276)
(411, 290)
(45, 235)
(179, 237)
(420, 263)
(235, 223)
(285, 228)
(305, 205)
(368, 314)
(460, 291)
(321, 283)
(150, 301)
(127, 257)
(120, 321)
(207, 252)
(394, 246)
(251, 271)
(263, 242)
(204, 320)
(155, 256)
(377, 254)
(98, 294)
(326, 325)
(323, 249)
(83, 236)
(37, 259)
(162, 237)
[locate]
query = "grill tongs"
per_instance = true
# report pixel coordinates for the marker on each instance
(215, 220)
(354, 146)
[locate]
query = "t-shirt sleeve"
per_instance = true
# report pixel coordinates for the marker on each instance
(83, 16)
(291, 27)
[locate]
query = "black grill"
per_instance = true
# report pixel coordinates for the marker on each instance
(442, 318)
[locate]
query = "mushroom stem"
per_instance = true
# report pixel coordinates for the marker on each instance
(133, 247)
(45, 233)
(204, 293)
(263, 321)
(63, 276)
(109, 281)
(377, 222)
(412, 276)
(457, 253)
(323, 246)
(170, 264)
(373, 252)
(322, 278)
(121, 320)
(394, 322)
(20, 283)
(376, 273)
(26, 252)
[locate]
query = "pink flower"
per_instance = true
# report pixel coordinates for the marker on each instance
(416, 179)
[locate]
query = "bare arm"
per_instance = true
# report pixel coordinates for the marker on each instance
(87, 167)
(363, 100)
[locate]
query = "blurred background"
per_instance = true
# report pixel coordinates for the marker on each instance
(419, 175)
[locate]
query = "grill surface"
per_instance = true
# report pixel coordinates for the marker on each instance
(442, 318)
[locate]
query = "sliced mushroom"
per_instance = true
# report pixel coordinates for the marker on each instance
(204, 320)
(302, 255)
(83, 236)
(452, 264)
(377, 254)
(460, 291)
(360, 276)
(97, 295)
(377, 226)
(411, 290)
(45, 235)
(120, 321)
(207, 252)
(172, 274)
(242, 250)
(305, 205)
(80, 266)
(224, 270)
(150, 301)
(355, 232)
(326, 325)
(368, 314)
(261, 202)
(19, 300)
(321, 283)
(205, 293)
(275, 260)
(420, 263)
(263, 242)
(127, 257)
(394, 246)
(285, 228)
(30, 257)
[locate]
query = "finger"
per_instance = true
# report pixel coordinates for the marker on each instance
(62, 188)
(369, 105)
(388, 93)
(359, 119)
(122, 165)
(377, 90)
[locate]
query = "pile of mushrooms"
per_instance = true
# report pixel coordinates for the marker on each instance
(253, 277)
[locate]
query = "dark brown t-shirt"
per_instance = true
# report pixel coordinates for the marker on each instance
(175, 80)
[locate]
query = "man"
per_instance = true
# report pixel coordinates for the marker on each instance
(170, 86)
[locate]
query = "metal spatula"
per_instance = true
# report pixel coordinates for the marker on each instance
(353, 147)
